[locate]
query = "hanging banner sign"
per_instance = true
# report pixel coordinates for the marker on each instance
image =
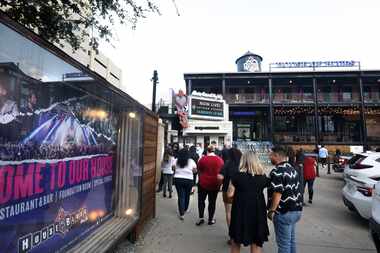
(181, 104)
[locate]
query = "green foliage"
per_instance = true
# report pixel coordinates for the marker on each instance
(74, 21)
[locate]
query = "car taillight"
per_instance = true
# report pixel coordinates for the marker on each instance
(366, 191)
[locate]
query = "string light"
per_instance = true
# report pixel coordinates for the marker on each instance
(372, 111)
(345, 111)
(283, 111)
(339, 110)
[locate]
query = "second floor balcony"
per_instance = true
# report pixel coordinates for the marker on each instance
(371, 96)
(247, 98)
(293, 137)
(293, 97)
(338, 97)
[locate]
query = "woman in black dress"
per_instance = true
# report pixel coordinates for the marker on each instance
(248, 217)
(230, 168)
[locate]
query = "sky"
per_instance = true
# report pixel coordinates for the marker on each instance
(209, 35)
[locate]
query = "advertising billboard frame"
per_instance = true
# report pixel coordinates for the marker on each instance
(113, 95)
(197, 116)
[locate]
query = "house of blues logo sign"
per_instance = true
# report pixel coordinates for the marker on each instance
(63, 224)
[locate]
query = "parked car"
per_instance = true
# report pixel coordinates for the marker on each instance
(374, 221)
(361, 174)
(366, 164)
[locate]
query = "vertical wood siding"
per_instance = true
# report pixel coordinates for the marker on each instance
(148, 201)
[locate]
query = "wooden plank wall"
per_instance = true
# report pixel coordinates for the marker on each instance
(148, 202)
(160, 148)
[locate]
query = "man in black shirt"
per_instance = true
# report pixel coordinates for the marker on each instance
(284, 200)
(217, 151)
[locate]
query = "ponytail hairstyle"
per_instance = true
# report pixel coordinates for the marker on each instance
(183, 158)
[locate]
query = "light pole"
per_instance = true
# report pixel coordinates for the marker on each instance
(155, 82)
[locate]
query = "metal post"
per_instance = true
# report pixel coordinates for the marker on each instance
(224, 87)
(271, 131)
(328, 165)
(362, 115)
(316, 120)
(155, 81)
(189, 87)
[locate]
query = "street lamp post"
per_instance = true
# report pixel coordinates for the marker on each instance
(155, 82)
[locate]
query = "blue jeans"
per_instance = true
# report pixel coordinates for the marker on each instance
(309, 184)
(285, 229)
(168, 180)
(183, 187)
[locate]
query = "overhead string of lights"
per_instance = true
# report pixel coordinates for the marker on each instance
(286, 111)
(354, 110)
(372, 111)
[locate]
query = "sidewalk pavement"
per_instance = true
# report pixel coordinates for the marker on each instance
(326, 226)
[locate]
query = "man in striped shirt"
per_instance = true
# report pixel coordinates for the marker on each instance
(284, 200)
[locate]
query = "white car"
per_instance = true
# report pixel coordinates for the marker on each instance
(361, 174)
(374, 221)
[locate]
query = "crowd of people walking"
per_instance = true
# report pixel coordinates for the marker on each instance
(242, 178)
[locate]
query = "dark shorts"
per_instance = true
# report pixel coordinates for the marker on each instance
(323, 160)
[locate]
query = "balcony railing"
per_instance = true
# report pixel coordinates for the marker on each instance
(293, 98)
(371, 97)
(338, 137)
(247, 98)
(373, 138)
(290, 137)
(338, 97)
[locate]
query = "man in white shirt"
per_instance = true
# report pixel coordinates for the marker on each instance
(323, 153)
(199, 150)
